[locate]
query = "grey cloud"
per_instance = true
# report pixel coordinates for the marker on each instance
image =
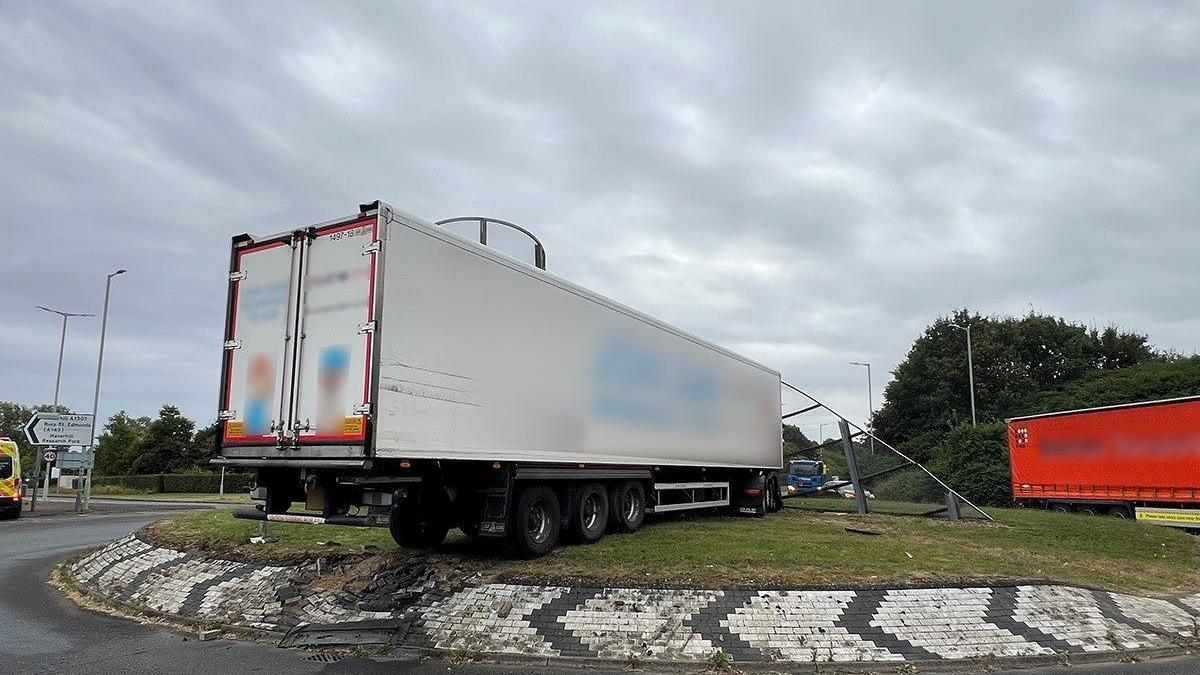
(808, 182)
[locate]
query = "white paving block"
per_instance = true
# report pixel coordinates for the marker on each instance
(950, 623)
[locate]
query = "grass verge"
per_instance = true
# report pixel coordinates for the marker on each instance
(241, 498)
(797, 548)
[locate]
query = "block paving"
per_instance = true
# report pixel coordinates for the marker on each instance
(646, 624)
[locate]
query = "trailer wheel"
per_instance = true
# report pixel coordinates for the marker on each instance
(776, 500)
(1060, 508)
(469, 528)
(420, 524)
(279, 495)
(590, 515)
(1122, 511)
(536, 522)
(627, 506)
(1089, 510)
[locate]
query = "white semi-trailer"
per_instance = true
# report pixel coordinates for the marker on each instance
(385, 371)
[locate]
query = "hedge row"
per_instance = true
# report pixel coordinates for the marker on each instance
(179, 482)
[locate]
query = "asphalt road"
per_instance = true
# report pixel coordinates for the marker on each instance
(40, 631)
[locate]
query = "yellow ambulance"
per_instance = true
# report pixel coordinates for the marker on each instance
(10, 479)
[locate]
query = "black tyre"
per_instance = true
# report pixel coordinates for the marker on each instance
(419, 523)
(279, 496)
(627, 506)
(536, 522)
(470, 528)
(776, 504)
(589, 517)
(1123, 511)
(1060, 508)
(468, 517)
(1089, 510)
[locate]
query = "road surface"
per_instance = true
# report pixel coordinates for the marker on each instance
(43, 632)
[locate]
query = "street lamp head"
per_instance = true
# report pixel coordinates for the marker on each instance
(60, 313)
(117, 272)
(859, 363)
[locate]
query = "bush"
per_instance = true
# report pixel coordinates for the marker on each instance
(974, 461)
(174, 482)
(909, 485)
(114, 490)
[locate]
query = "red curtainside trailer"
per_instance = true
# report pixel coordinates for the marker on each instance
(1138, 460)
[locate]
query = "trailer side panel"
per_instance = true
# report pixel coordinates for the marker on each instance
(1144, 453)
(485, 358)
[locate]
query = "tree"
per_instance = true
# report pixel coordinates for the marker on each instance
(165, 445)
(1026, 365)
(13, 417)
(1016, 360)
(203, 447)
(974, 461)
(1167, 377)
(795, 442)
(119, 444)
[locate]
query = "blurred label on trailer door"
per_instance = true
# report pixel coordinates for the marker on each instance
(336, 314)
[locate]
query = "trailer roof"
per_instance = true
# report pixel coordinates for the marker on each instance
(1140, 404)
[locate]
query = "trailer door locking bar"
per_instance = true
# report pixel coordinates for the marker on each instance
(364, 409)
(368, 327)
(237, 276)
(233, 344)
(370, 248)
(226, 414)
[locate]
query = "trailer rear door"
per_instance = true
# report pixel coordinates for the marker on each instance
(337, 297)
(258, 357)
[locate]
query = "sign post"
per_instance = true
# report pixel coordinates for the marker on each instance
(56, 429)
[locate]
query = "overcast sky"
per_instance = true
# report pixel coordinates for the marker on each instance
(808, 184)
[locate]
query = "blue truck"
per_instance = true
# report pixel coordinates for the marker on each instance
(805, 476)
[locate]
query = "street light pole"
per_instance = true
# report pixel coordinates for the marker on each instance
(90, 457)
(870, 405)
(62, 345)
(970, 368)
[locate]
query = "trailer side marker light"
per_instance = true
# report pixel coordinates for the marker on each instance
(404, 464)
(752, 492)
(495, 465)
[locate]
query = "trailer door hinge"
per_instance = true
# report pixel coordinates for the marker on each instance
(226, 414)
(372, 247)
(237, 276)
(233, 344)
(368, 327)
(364, 409)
